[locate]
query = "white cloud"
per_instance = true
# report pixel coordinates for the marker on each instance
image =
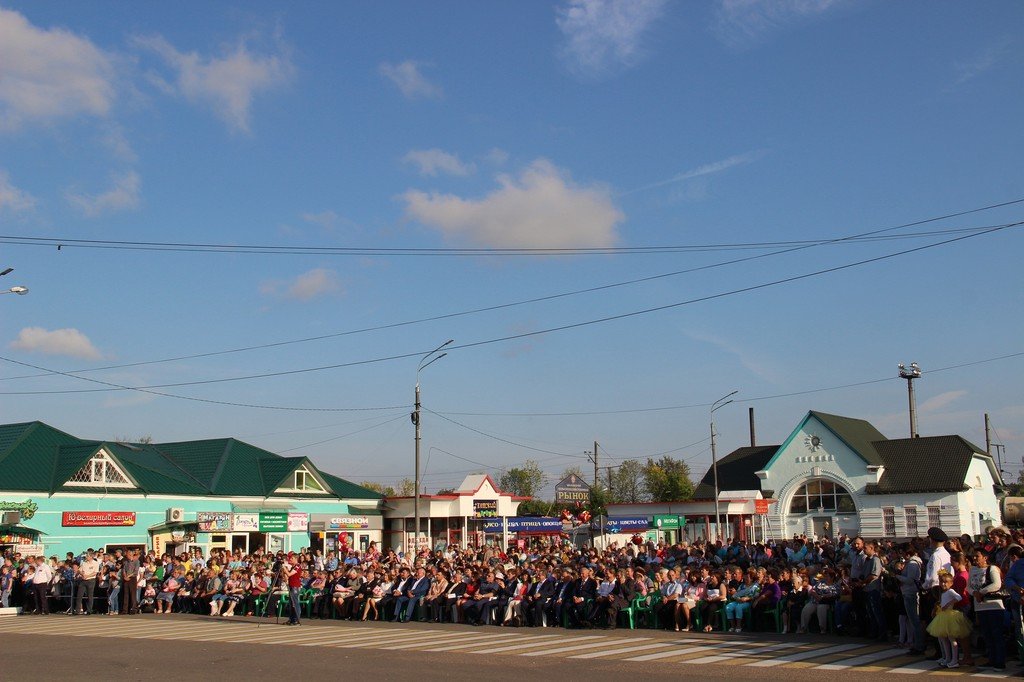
(69, 342)
(742, 23)
(407, 77)
(984, 60)
(13, 199)
(706, 169)
(50, 74)
(497, 156)
(227, 84)
(114, 139)
(305, 287)
(941, 401)
(435, 161)
(542, 208)
(328, 220)
(605, 35)
(122, 196)
(748, 358)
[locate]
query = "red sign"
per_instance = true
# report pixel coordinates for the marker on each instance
(98, 518)
(761, 506)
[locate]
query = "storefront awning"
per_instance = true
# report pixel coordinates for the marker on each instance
(172, 525)
(19, 530)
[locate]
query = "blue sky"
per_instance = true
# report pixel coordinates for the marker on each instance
(573, 125)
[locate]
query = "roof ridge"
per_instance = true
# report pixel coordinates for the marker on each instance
(224, 457)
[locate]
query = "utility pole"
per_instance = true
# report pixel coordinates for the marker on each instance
(911, 373)
(592, 456)
(721, 402)
(415, 416)
(988, 437)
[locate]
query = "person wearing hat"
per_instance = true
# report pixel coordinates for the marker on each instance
(937, 561)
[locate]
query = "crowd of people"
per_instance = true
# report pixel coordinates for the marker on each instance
(952, 595)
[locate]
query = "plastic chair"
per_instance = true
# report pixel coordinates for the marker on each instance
(633, 610)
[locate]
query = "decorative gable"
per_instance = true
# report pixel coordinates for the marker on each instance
(303, 480)
(101, 471)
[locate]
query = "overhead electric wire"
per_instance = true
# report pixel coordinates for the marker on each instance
(511, 337)
(499, 438)
(536, 299)
(346, 435)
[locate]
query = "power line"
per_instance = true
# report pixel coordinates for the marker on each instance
(345, 435)
(536, 299)
(565, 327)
(499, 438)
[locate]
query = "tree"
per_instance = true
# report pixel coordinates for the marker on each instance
(141, 440)
(446, 491)
(406, 487)
(386, 491)
(626, 483)
(570, 471)
(667, 480)
(524, 481)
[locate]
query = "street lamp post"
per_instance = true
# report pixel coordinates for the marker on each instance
(20, 291)
(721, 402)
(910, 374)
(426, 360)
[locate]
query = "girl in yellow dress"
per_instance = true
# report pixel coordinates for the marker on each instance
(948, 623)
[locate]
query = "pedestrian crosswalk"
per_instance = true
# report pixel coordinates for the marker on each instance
(826, 655)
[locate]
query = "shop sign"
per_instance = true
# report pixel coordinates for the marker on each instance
(298, 522)
(213, 521)
(626, 524)
(485, 509)
(30, 550)
(526, 524)
(572, 489)
(27, 508)
(761, 506)
(94, 519)
(273, 522)
(666, 521)
(16, 539)
(349, 523)
(245, 523)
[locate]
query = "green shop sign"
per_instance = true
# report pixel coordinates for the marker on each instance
(666, 521)
(27, 508)
(273, 522)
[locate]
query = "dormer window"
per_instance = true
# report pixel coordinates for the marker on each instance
(303, 481)
(100, 472)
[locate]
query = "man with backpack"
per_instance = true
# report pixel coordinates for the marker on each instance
(910, 589)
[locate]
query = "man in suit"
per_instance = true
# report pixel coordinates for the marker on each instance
(473, 611)
(562, 598)
(443, 604)
(584, 593)
(621, 596)
(402, 585)
(412, 592)
(538, 597)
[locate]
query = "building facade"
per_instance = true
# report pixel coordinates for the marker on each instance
(60, 494)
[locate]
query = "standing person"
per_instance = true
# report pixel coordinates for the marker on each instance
(984, 586)
(41, 580)
(873, 591)
(910, 589)
(938, 560)
(948, 624)
(291, 573)
(90, 570)
(130, 582)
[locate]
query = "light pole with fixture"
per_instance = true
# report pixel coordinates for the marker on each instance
(721, 402)
(426, 360)
(20, 291)
(911, 373)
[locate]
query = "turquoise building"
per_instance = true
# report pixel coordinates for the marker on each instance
(60, 493)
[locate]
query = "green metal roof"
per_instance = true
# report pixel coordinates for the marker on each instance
(36, 457)
(858, 434)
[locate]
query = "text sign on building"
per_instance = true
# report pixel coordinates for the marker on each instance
(526, 524)
(572, 489)
(213, 521)
(298, 522)
(666, 521)
(244, 523)
(626, 524)
(485, 509)
(97, 518)
(273, 522)
(761, 506)
(348, 523)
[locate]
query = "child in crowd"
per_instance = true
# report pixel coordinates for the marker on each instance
(948, 624)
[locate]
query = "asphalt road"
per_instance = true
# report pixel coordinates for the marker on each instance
(141, 647)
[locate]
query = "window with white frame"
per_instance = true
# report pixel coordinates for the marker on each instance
(100, 471)
(934, 517)
(303, 481)
(888, 521)
(910, 516)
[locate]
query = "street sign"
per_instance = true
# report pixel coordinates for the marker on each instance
(572, 489)
(761, 506)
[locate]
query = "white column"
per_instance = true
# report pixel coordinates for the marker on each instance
(465, 532)
(504, 533)
(430, 535)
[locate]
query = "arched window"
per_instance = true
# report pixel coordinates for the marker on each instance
(822, 495)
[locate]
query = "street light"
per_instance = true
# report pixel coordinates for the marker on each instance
(425, 361)
(20, 291)
(721, 402)
(911, 373)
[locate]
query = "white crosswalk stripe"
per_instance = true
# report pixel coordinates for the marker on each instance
(524, 646)
(863, 660)
(683, 652)
(718, 658)
(805, 655)
(626, 650)
(490, 640)
(564, 649)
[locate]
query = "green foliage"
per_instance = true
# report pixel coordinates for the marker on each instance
(626, 483)
(667, 480)
(524, 481)
(386, 491)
